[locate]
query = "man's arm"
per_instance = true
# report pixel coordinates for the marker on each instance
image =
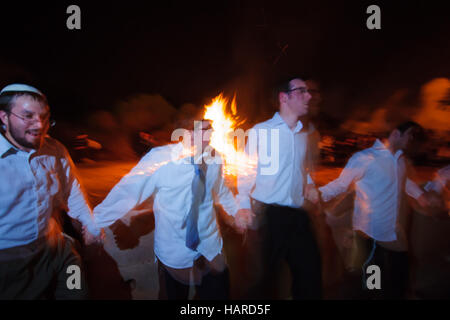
(224, 196)
(242, 217)
(75, 197)
(247, 175)
(354, 170)
(133, 189)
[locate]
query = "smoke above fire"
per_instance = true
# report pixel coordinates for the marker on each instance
(435, 110)
(432, 110)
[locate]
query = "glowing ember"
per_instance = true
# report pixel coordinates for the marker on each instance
(226, 139)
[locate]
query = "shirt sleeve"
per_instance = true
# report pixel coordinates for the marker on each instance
(75, 197)
(440, 181)
(225, 196)
(133, 189)
(412, 189)
(354, 170)
(247, 173)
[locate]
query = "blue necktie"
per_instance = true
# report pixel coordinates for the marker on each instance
(198, 194)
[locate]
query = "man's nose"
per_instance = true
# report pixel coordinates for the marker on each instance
(39, 123)
(309, 96)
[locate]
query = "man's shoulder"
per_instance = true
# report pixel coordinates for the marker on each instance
(269, 123)
(162, 153)
(364, 155)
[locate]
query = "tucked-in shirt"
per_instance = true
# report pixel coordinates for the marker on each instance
(379, 178)
(280, 174)
(159, 174)
(33, 186)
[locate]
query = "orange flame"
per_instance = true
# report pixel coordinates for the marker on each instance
(224, 136)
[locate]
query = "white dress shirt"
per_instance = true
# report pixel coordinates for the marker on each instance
(33, 185)
(287, 148)
(158, 175)
(379, 178)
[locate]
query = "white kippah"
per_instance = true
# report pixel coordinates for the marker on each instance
(18, 87)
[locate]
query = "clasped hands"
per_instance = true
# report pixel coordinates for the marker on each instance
(243, 219)
(90, 239)
(312, 194)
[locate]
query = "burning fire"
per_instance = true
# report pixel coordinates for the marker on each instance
(227, 139)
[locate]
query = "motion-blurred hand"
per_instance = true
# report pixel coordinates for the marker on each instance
(243, 219)
(90, 239)
(124, 236)
(312, 194)
(423, 201)
(83, 142)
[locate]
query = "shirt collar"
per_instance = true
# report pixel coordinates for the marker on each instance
(5, 147)
(277, 120)
(378, 145)
(179, 148)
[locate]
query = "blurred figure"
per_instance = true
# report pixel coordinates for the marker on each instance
(187, 239)
(379, 177)
(84, 148)
(281, 229)
(38, 181)
(438, 191)
(430, 241)
(308, 120)
(322, 231)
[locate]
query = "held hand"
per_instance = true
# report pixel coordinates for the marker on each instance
(90, 239)
(423, 201)
(124, 236)
(312, 194)
(243, 219)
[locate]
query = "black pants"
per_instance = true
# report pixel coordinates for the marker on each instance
(287, 235)
(214, 286)
(394, 270)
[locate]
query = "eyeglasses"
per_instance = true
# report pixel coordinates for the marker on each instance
(301, 89)
(30, 119)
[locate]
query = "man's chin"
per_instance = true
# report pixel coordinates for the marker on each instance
(31, 144)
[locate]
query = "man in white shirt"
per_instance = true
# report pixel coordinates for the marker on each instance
(38, 181)
(168, 175)
(379, 177)
(276, 192)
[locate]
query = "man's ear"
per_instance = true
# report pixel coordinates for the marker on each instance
(409, 131)
(4, 117)
(282, 97)
(396, 134)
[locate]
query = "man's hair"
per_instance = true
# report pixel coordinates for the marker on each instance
(284, 85)
(7, 99)
(187, 123)
(417, 130)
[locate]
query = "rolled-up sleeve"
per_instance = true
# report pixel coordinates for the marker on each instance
(412, 189)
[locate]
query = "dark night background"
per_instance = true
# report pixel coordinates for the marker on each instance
(134, 66)
(189, 51)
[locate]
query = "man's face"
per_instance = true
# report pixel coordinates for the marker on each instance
(316, 98)
(405, 139)
(205, 129)
(298, 97)
(27, 123)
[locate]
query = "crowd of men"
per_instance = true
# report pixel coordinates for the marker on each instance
(39, 180)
